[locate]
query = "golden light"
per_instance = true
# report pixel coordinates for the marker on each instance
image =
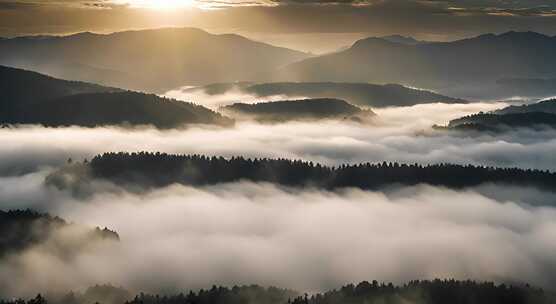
(160, 4)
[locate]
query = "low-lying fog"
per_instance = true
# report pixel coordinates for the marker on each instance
(400, 134)
(179, 237)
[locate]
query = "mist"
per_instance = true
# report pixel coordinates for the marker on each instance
(400, 134)
(180, 238)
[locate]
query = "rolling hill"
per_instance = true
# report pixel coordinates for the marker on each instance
(154, 60)
(20, 88)
(307, 109)
(534, 116)
(32, 98)
(360, 94)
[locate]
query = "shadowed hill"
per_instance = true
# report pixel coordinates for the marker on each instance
(20, 88)
(360, 94)
(307, 109)
(121, 108)
(145, 170)
(20, 230)
(545, 106)
(32, 98)
(154, 60)
(534, 116)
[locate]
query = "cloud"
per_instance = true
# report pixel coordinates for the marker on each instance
(401, 134)
(181, 238)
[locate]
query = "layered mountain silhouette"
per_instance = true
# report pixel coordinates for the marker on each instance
(478, 61)
(23, 229)
(32, 98)
(149, 60)
(536, 116)
(360, 94)
(306, 109)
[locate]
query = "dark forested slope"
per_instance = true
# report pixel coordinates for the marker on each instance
(305, 109)
(19, 88)
(414, 292)
(20, 230)
(119, 108)
(535, 116)
(32, 98)
(146, 170)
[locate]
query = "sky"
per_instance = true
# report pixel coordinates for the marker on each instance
(293, 23)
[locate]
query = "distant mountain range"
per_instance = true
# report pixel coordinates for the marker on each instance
(469, 64)
(535, 116)
(163, 59)
(149, 60)
(32, 98)
(360, 94)
(308, 109)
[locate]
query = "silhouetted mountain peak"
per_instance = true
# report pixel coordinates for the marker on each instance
(373, 42)
(401, 39)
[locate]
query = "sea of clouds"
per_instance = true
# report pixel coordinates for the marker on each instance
(179, 238)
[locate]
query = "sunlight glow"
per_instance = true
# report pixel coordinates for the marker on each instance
(160, 4)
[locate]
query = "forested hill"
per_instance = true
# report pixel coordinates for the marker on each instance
(32, 98)
(360, 94)
(157, 170)
(545, 106)
(533, 116)
(20, 230)
(118, 108)
(306, 109)
(414, 292)
(501, 122)
(20, 88)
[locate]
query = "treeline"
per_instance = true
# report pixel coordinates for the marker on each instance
(534, 116)
(160, 169)
(500, 122)
(305, 109)
(21, 229)
(430, 292)
(414, 292)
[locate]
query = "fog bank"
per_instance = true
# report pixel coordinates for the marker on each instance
(180, 238)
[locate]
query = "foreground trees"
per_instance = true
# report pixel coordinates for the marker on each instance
(414, 292)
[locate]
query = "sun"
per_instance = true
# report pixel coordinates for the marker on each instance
(161, 4)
